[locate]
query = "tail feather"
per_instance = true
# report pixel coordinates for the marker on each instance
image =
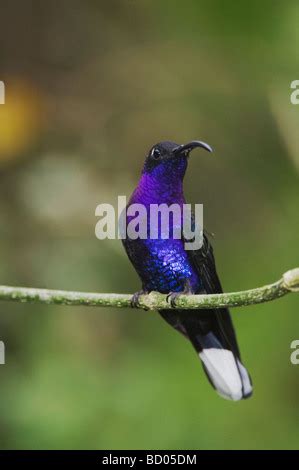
(224, 373)
(213, 337)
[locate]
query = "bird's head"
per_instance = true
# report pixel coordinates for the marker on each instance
(168, 160)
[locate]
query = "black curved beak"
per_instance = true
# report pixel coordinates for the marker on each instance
(190, 146)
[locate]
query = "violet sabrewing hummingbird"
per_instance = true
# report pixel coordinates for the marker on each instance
(166, 266)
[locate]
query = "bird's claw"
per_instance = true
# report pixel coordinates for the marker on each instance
(135, 300)
(172, 297)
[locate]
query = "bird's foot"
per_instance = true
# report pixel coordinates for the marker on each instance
(173, 296)
(136, 297)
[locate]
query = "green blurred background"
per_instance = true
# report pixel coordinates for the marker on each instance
(90, 86)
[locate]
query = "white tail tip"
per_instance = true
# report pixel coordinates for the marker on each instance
(227, 374)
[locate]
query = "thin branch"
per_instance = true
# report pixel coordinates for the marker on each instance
(154, 301)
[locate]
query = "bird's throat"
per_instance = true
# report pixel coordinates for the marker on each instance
(154, 190)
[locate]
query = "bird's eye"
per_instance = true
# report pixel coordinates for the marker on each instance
(156, 153)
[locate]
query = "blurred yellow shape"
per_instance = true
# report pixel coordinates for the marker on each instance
(21, 119)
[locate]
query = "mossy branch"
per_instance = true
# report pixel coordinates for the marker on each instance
(154, 301)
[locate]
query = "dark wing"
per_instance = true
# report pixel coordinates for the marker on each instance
(204, 262)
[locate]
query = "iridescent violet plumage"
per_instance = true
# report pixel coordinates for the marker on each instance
(163, 265)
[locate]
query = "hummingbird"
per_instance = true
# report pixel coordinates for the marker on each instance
(165, 265)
